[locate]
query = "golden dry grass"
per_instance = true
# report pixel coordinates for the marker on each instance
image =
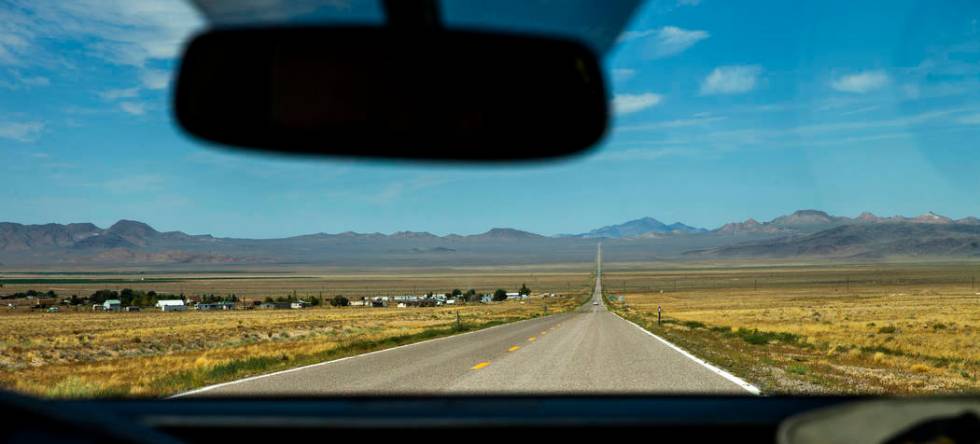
(883, 328)
(152, 353)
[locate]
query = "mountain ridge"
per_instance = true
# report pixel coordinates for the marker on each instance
(805, 233)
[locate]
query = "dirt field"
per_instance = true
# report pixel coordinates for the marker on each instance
(881, 328)
(150, 353)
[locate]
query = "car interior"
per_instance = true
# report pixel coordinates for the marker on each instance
(412, 82)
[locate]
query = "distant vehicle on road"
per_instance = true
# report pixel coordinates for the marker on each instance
(595, 302)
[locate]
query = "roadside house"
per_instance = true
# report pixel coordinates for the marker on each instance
(516, 296)
(299, 304)
(171, 305)
(112, 305)
(216, 306)
(274, 305)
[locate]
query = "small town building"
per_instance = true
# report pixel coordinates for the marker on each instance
(486, 298)
(171, 305)
(516, 296)
(299, 304)
(112, 305)
(216, 306)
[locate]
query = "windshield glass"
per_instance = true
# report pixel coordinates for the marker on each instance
(784, 203)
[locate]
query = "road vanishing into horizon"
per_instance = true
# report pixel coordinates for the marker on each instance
(589, 350)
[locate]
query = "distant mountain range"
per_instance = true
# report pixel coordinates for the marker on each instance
(802, 234)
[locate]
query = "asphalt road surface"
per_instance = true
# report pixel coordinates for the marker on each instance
(590, 350)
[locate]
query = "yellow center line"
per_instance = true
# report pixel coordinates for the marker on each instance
(532, 338)
(514, 348)
(480, 365)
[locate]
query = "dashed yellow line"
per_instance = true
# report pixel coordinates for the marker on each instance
(514, 348)
(480, 365)
(532, 339)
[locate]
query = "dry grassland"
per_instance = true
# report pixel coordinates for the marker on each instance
(151, 353)
(882, 328)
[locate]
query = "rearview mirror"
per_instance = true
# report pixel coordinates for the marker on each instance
(383, 92)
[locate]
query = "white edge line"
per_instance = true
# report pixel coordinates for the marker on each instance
(318, 364)
(738, 381)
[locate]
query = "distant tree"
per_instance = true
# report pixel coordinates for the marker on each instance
(500, 295)
(524, 290)
(316, 301)
(75, 300)
(457, 292)
(340, 301)
(101, 296)
(269, 299)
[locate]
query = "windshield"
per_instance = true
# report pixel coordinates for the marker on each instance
(784, 204)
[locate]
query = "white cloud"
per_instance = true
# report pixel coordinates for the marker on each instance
(861, 82)
(126, 32)
(122, 93)
(121, 32)
(18, 81)
(133, 108)
(623, 74)
(734, 79)
(155, 78)
(21, 131)
(631, 103)
(666, 41)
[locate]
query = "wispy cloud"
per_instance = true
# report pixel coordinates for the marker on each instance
(697, 120)
(155, 78)
(14, 80)
(631, 103)
(734, 79)
(134, 108)
(666, 41)
(121, 93)
(972, 119)
(642, 153)
(862, 82)
(21, 131)
(623, 74)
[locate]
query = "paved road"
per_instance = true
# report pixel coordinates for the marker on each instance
(588, 350)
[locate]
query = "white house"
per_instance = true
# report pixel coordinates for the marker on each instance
(112, 305)
(486, 299)
(298, 304)
(171, 305)
(511, 296)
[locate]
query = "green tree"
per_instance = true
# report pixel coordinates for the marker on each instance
(500, 295)
(340, 301)
(524, 290)
(457, 292)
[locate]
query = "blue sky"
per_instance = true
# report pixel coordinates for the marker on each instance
(724, 111)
